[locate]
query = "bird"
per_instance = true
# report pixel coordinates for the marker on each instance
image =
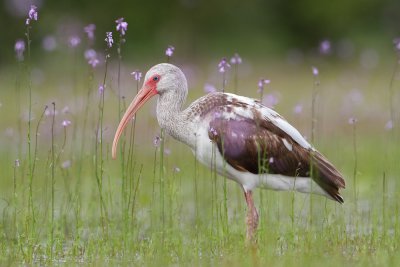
(241, 138)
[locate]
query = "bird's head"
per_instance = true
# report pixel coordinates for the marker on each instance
(161, 79)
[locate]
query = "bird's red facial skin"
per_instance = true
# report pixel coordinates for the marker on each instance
(152, 82)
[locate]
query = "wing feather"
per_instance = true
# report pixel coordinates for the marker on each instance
(251, 140)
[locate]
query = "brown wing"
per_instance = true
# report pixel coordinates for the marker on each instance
(261, 147)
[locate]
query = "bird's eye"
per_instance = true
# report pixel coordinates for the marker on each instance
(156, 78)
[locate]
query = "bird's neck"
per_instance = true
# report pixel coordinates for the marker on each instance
(171, 117)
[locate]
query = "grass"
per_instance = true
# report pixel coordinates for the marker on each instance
(143, 211)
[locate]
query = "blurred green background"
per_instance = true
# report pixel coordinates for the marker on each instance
(258, 29)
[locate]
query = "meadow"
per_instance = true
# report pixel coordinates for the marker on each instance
(63, 200)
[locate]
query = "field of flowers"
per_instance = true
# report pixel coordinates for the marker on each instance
(64, 200)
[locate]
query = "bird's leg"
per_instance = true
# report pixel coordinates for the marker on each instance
(252, 216)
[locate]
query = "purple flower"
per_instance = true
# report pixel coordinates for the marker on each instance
(325, 47)
(122, 26)
(170, 51)
(74, 41)
(101, 89)
(66, 123)
(66, 164)
(270, 100)
(236, 59)
(223, 65)
(396, 43)
(91, 57)
(315, 71)
(352, 120)
(261, 84)
(137, 75)
(389, 125)
(49, 43)
(65, 110)
(156, 141)
(109, 39)
(298, 109)
(19, 48)
(17, 163)
(271, 160)
(89, 29)
(49, 112)
(93, 62)
(90, 53)
(209, 88)
(32, 15)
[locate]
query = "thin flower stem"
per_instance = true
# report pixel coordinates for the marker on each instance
(391, 92)
(162, 185)
(30, 202)
(225, 200)
(15, 195)
(18, 98)
(384, 201)
(235, 75)
(355, 162)
(313, 123)
(131, 164)
(52, 181)
(223, 82)
(213, 201)
(99, 155)
(153, 193)
(119, 77)
(75, 86)
(122, 148)
(32, 172)
(196, 200)
(136, 189)
(313, 109)
(36, 139)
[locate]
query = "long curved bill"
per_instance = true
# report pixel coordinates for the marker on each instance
(143, 95)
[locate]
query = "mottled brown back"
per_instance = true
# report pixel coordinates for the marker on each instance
(257, 146)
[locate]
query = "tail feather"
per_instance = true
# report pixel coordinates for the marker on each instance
(327, 176)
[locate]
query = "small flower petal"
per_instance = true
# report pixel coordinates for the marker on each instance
(137, 75)
(66, 123)
(169, 51)
(89, 30)
(66, 164)
(156, 141)
(19, 48)
(315, 71)
(236, 59)
(109, 39)
(223, 65)
(352, 120)
(33, 14)
(209, 88)
(122, 26)
(74, 41)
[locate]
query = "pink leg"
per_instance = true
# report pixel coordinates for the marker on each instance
(252, 216)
